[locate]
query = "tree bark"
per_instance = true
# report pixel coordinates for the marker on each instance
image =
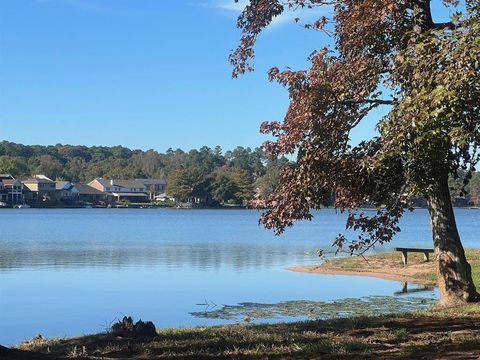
(453, 271)
(422, 16)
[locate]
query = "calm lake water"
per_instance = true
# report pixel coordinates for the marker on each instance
(69, 272)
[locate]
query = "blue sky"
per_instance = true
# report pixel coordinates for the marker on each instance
(139, 73)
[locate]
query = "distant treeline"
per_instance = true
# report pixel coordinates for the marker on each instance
(205, 175)
(471, 190)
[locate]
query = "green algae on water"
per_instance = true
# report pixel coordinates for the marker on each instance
(350, 307)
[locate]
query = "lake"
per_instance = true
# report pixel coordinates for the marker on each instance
(66, 272)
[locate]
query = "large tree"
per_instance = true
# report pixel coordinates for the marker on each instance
(426, 74)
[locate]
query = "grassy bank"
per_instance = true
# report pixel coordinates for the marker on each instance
(389, 265)
(447, 333)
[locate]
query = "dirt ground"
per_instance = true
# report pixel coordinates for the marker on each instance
(385, 266)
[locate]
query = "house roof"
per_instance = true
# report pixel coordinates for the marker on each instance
(63, 185)
(67, 186)
(42, 177)
(153, 181)
(39, 179)
(122, 183)
(9, 181)
(87, 190)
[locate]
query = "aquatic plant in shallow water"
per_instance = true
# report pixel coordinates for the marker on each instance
(306, 309)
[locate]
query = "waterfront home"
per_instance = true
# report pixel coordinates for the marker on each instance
(11, 190)
(39, 190)
(122, 190)
(154, 187)
(88, 194)
(3, 195)
(475, 198)
(66, 192)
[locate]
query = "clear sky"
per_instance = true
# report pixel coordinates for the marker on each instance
(139, 73)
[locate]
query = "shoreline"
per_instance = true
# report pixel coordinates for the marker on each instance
(386, 266)
(165, 206)
(318, 269)
(454, 330)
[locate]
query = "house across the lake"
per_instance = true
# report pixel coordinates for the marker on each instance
(154, 187)
(39, 190)
(122, 190)
(11, 190)
(88, 194)
(66, 192)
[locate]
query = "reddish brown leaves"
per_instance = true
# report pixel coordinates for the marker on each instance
(430, 79)
(256, 16)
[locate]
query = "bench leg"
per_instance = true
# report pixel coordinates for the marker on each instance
(425, 256)
(404, 257)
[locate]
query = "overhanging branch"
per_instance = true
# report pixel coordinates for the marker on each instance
(368, 101)
(445, 25)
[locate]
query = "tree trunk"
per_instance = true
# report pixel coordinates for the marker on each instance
(453, 271)
(422, 16)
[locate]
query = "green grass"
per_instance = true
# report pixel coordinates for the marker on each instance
(393, 261)
(473, 257)
(418, 335)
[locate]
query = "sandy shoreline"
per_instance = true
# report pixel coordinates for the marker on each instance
(406, 274)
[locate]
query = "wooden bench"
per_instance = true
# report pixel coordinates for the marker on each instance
(405, 251)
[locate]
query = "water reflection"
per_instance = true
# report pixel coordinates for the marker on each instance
(168, 255)
(413, 288)
(66, 272)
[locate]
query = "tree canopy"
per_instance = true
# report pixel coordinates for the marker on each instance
(426, 74)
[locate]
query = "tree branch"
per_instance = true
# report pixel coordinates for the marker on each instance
(368, 101)
(445, 25)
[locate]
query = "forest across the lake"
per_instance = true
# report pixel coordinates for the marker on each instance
(209, 176)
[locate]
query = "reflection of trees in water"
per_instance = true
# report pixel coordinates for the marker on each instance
(199, 256)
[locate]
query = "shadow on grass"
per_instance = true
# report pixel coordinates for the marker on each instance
(427, 335)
